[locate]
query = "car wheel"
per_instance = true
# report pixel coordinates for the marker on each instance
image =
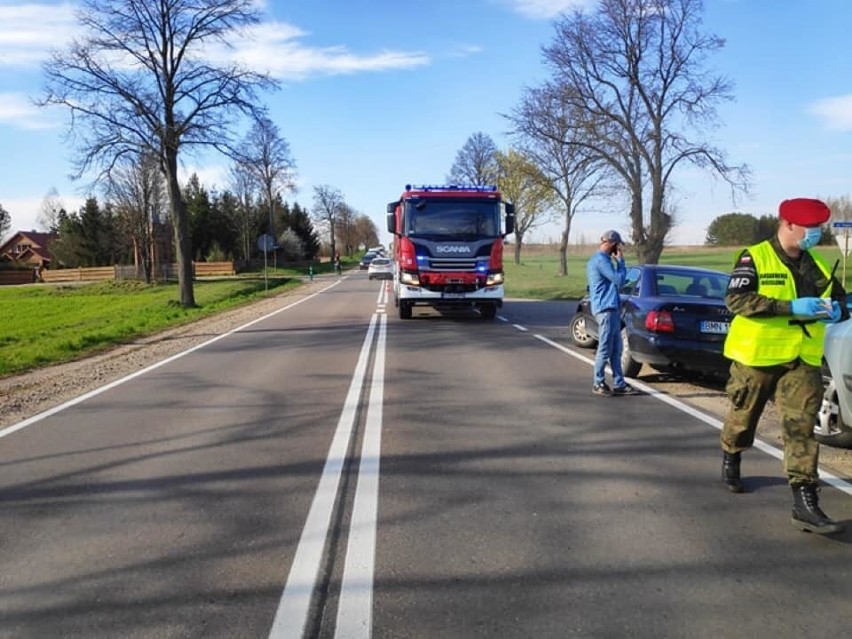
(404, 309)
(629, 366)
(830, 428)
(579, 336)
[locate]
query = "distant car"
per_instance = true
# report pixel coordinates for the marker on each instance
(834, 420)
(365, 261)
(674, 319)
(381, 268)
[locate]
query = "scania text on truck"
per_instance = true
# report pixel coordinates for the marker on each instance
(448, 247)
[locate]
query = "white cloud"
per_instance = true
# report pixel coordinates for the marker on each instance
(836, 113)
(16, 109)
(547, 9)
(29, 31)
(274, 48)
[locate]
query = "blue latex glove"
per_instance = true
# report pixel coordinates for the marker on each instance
(834, 315)
(811, 307)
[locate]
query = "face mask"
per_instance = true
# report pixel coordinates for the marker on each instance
(813, 234)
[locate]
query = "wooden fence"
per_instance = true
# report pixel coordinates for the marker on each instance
(16, 277)
(91, 274)
(163, 272)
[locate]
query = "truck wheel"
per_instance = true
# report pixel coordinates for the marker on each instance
(488, 311)
(629, 366)
(404, 309)
(830, 428)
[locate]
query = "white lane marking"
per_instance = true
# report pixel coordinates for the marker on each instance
(829, 478)
(82, 398)
(355, 608)
(293, 608)
(523, 329)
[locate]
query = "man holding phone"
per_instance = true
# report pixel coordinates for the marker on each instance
(606, 273)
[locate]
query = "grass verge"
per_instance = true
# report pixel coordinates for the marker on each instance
(51, 324)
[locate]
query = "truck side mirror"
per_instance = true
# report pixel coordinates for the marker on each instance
(510, 219)
(392, 217)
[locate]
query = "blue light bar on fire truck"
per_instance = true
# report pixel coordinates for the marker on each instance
(451, 187)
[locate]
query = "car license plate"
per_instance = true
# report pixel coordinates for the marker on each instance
(720, 328)
(452, 296)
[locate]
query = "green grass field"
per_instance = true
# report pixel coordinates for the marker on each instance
(47, 324)
(537, 276)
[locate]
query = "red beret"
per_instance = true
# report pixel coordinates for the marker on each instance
(804, 211)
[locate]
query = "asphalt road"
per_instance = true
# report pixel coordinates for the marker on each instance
(334, 471)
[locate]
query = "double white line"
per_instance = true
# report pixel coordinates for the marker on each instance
(355, 606)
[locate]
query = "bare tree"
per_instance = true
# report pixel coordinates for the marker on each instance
(137, 80)
(328, 204)
(249, 216)
(5, 222)
(841, 208)
(266, 156)
(635, 71)
(544, 130)
(365, 231)
(476, 162)
(345, 223)
(522, 183)
(138, 192)
(51, 207)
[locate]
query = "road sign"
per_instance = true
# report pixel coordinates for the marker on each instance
(843, 243)
(266, 243)
(842, 224)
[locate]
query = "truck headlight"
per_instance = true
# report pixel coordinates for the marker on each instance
(493, 279)
(410, 278)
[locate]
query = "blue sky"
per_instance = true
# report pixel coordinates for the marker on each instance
(379, 93)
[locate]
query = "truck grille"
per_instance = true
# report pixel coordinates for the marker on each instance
(452, 263)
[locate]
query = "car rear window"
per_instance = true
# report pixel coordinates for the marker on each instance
(697, 285)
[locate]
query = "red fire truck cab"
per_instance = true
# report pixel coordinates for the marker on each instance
(448, 247)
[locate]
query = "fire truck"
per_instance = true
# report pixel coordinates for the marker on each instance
(448, 247)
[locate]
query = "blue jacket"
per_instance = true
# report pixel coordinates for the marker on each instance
(605, 280)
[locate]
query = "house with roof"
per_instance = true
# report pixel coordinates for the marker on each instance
(28, 247)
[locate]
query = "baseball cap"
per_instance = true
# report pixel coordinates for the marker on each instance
(612, 236)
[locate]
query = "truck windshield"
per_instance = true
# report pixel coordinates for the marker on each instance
(452, 218)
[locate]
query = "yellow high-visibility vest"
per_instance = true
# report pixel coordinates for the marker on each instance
(767, 341)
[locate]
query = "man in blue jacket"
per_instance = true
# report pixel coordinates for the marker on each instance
(606, 272)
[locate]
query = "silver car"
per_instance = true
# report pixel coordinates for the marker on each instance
(381, 268)
(834, 420)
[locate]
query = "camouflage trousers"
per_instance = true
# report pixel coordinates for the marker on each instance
(797, 388)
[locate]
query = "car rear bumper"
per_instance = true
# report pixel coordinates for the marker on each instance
(660, 350)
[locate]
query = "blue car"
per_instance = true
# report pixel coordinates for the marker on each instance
(674, 319)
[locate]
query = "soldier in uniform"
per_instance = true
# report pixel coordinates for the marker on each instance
(782, 294)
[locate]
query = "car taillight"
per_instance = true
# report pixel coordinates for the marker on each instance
(660, 322)
(407, 254)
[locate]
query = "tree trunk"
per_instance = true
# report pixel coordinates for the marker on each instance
(563, 245)
(519, 241)
(181, 224)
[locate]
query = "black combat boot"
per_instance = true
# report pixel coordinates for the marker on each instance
(731, 472)
(806, 511)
